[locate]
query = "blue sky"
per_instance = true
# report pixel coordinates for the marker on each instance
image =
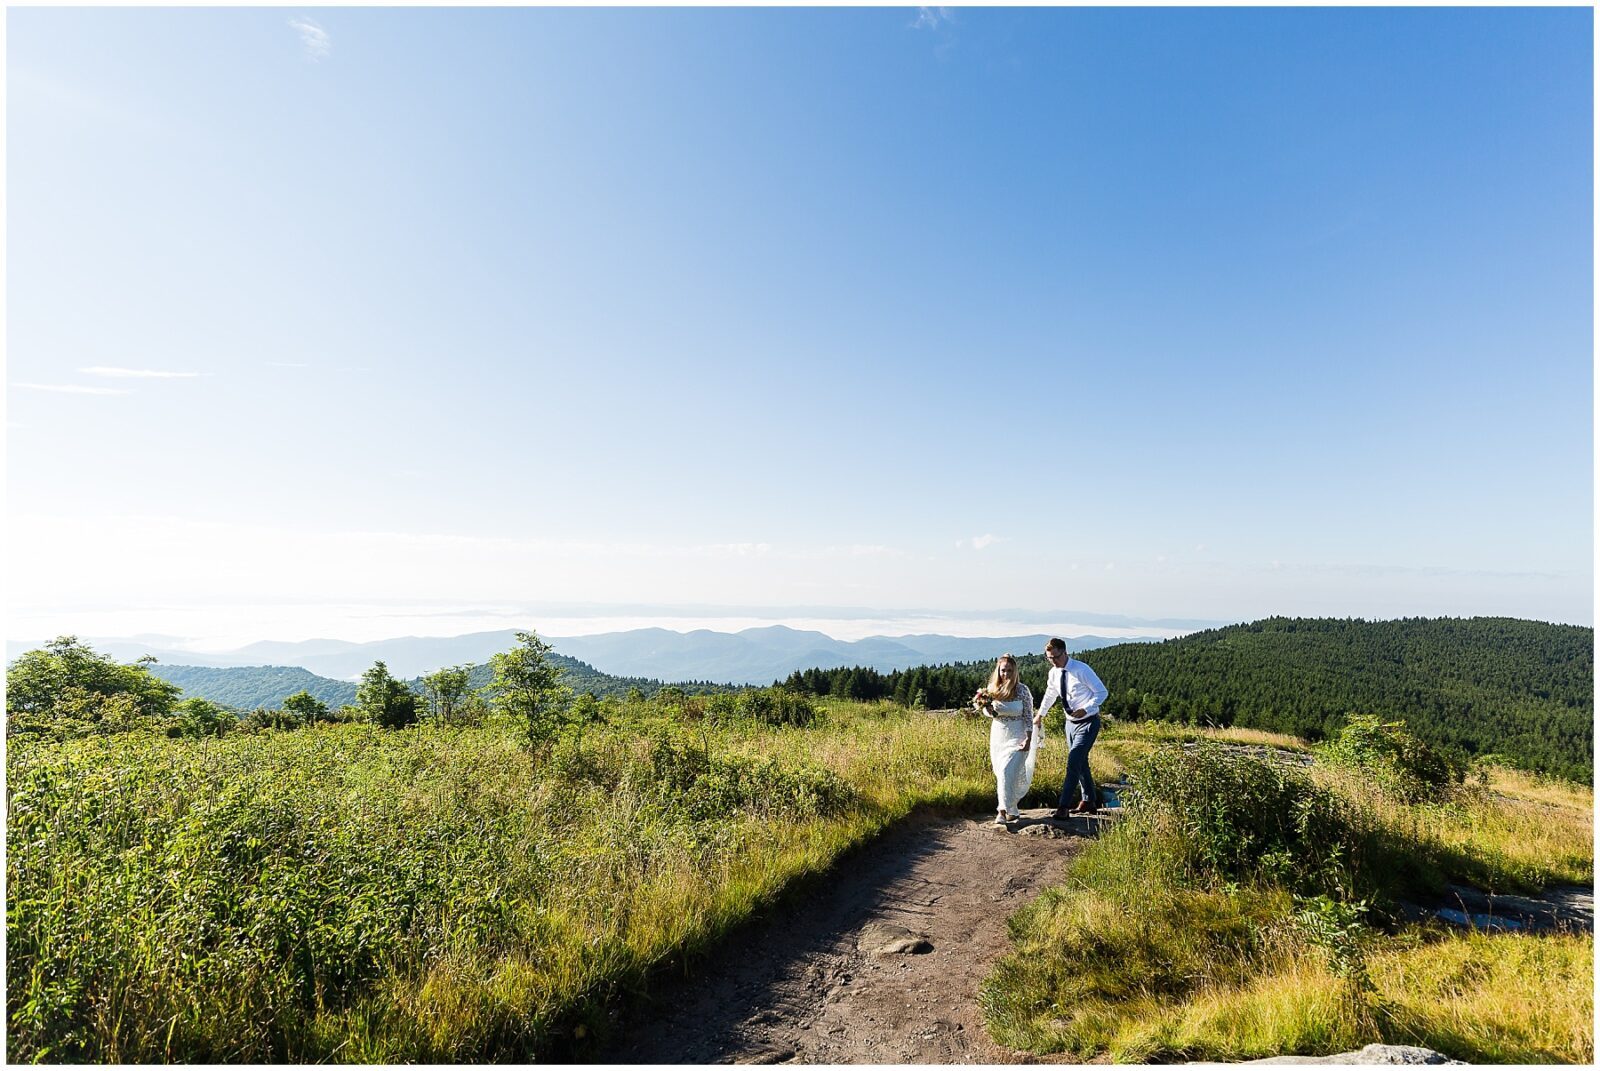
(1174, 313)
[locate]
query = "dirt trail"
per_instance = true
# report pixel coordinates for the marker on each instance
(818, 982)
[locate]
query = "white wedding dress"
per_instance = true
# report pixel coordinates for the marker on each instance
(1011, 721)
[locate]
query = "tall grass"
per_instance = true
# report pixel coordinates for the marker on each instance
(354, 894)
(1242, 911)
(1480, 834)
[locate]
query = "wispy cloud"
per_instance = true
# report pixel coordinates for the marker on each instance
(314, 40)
(742, 550)
(70, 388)
(979, 542)
(135, 373)
(931, 18)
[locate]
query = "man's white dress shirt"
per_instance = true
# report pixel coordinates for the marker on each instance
(1079, 690)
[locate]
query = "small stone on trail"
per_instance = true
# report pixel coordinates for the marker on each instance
(882, 939)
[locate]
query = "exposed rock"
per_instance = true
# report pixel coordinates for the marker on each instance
(1562, 907)
(883, 939)
(1262, 751)
(1372, 1054)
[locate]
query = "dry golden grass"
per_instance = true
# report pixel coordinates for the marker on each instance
(1122, 743)
(1503, 998)
(1521, 840)
(1162, 731)
(1298, 1009)
(1531, 788)
(1485, 999)
(1114, 967)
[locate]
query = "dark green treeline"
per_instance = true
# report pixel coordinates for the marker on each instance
(1522, 691)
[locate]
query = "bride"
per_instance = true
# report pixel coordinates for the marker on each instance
(1013, 735)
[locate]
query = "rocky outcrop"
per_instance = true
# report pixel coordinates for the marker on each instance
(1568, 908)
(1372, 1054)
(1265, 752)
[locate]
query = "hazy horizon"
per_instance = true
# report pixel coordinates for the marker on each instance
(363, 625)
(265, 624)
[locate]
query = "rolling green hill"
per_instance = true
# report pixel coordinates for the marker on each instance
(1523, 690)
(249, 687)
(1485, 685)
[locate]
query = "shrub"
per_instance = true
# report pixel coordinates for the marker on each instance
(687, 777)
(776, 706)
(306, 707)
(1394, 757)
(1228, 816)
(527, 687)
(263, 718)
(201, 717)
(761, 706)
(385, 701)
(722, 708)
(1340, 930)
(66, 689)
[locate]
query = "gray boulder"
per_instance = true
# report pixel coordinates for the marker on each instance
(1372, 1054)
(881, 939)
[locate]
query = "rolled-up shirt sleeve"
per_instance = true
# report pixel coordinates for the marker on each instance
(1085, 692)
(1051, 693)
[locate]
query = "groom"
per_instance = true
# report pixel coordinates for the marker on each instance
(1081, 694)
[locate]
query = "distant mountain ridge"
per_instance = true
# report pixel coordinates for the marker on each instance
(249, 687)
(752, 656)
(763, 655)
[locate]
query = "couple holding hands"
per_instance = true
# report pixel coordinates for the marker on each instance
(1018, 725)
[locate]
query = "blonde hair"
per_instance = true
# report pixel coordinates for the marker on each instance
(1007, 691)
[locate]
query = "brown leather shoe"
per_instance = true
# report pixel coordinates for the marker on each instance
(1084, 807)
(1061, 814)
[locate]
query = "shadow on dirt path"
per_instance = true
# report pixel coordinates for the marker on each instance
(877, 962)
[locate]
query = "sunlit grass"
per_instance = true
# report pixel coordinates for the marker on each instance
(355, 894)
(1130, 960)
(350, 894)
(1502, 998)
(1488, 837)
(1532, 788)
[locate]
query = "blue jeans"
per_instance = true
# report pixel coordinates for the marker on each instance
(1080, 738)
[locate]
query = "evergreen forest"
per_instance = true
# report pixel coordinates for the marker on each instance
(1518, 691)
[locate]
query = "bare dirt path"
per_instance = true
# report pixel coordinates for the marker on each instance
(878, 962)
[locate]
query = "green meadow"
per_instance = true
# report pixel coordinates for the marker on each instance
(345, 892)
(1244, 909)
